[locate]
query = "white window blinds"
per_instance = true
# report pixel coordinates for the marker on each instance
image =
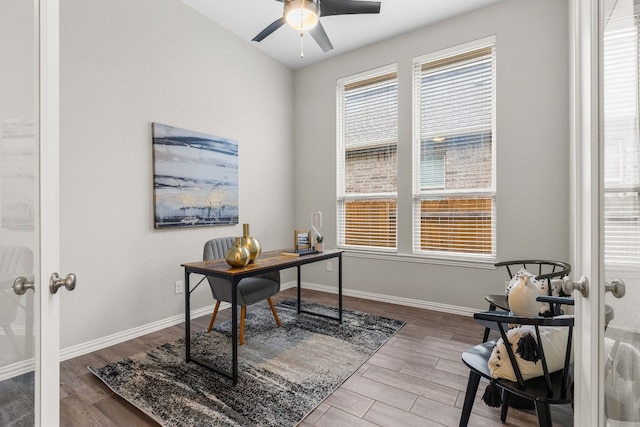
(454, 153)
(367, 110)
(621, 143)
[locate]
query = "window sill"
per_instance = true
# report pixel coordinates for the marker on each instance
(388, 256)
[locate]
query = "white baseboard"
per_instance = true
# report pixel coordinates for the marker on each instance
(17, 368)
(100, 343)
(88, 347)
(427, 305)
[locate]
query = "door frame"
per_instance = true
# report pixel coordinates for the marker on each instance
(584, 29)
(585, 182)
(47, 381)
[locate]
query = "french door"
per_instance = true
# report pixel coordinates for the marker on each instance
(29, 219)
(606, 202)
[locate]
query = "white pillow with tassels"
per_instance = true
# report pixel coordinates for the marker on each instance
(554, 343)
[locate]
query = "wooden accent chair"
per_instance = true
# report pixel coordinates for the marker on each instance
(549, 388)
(545, 270)
(250, 289)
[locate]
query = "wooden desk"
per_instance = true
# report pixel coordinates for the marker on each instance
(267, 262)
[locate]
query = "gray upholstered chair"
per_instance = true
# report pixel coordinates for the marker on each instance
(250, 289)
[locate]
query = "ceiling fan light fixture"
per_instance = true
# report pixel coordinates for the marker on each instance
(301, 15)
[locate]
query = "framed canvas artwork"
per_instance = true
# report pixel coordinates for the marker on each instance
(195, 178)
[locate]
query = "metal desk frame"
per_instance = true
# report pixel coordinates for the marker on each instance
(268, 261)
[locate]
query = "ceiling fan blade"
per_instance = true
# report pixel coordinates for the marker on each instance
(270, 29)
(348, 7)
(320, 36)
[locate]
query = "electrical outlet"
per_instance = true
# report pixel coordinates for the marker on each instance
(329, 266)
(179, 286)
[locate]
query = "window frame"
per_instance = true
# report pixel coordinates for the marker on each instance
(621, 200)
(420, 194)
(342, 196)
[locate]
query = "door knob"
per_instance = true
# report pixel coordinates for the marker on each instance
(617, 288)
(55, 282)
(22, 284)
(582, 286)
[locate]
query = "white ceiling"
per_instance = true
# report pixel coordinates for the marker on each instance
(246, 18)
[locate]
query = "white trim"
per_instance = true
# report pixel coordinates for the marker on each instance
(426, 305)
(18, 330)
(47, 372)
(17, 368)
(100, 343)
(23, 367)
(113, 339)
(453, 50)
(585, 179)
(342, 81)
(447, 260)
(419, 193)
(368, 196)
(117, 338)
(342, 196)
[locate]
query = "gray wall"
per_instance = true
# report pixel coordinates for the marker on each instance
(532, 150)
(125, 64)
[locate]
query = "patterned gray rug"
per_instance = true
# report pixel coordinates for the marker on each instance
(284, 373)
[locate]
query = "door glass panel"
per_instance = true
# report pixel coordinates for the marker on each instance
(621, 211)
(18, 196)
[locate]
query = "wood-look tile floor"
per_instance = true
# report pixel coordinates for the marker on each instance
(415, 379)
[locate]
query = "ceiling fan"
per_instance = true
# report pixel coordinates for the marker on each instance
(304, 15)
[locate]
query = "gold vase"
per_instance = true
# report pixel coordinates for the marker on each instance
(251, 243)
(237, 255)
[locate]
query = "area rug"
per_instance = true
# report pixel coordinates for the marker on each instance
(284, 373)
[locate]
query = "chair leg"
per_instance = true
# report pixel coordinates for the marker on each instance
(213, 316)
(243, 315)
(505, 405)
(275, 314)
(544, 414)
(485, 337)
(469, 397)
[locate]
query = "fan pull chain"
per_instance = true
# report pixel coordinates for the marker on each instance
(301, 31)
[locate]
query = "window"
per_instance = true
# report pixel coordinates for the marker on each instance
(621, 144)
(367, 118)
(454, 153)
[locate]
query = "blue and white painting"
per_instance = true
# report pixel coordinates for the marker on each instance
(195, 178)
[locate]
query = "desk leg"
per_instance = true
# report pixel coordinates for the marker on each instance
(339, 318)
(187, 317)
(299, 293)
(340, 287)
(234, 330)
